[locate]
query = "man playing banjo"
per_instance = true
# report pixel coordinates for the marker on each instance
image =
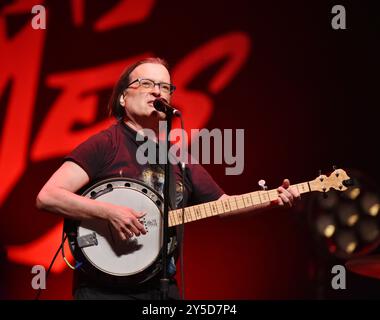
(112, 153)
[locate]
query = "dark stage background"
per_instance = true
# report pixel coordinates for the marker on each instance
(305, 94)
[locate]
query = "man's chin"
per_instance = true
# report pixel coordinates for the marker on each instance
(158, 115)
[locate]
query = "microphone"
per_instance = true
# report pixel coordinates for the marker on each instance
(160, 104)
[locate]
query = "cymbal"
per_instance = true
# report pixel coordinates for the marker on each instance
(366, 266)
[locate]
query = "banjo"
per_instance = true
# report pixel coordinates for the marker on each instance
(97, 246)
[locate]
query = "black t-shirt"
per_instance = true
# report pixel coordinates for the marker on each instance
(112, 153)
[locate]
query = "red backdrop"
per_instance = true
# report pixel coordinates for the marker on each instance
(302, 92)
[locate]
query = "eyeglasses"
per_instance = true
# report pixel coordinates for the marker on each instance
(167, 88)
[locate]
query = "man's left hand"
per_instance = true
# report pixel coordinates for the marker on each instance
(287, 195)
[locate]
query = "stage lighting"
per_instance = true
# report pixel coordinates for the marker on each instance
(348, 214)
(346, 241)
(352, 193)
(326, 225)
(347, 224)
(371, 204)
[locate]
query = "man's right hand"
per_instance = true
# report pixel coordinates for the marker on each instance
(126, 222)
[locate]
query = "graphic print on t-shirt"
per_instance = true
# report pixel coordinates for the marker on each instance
(154, 177)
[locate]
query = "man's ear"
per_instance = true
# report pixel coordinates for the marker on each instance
(121, 100)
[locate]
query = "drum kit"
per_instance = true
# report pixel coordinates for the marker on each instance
(368, 266)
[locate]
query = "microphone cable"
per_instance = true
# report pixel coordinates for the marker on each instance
(62, 249)
(50, 266)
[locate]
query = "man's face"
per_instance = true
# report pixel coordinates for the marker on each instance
(138, 101)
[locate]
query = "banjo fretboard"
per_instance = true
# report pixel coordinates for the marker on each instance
(230, 204)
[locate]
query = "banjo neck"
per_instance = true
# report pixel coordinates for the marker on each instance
(337, 180)
(228, 205)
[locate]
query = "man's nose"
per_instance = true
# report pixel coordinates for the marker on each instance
(156, 89)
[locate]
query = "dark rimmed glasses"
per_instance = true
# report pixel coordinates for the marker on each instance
(167, 88)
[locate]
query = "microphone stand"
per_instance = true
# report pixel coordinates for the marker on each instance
(164, 281)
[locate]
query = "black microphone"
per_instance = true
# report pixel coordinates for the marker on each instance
(162, 105)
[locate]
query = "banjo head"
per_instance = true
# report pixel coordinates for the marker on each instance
(100, 244)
